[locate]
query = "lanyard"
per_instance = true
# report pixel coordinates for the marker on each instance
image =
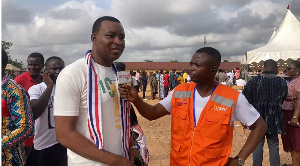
(194, 102)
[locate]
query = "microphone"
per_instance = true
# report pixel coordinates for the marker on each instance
(124, 77)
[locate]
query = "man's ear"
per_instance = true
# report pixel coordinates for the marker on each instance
(93, 37)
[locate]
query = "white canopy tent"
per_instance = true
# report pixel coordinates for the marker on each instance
(283, 44)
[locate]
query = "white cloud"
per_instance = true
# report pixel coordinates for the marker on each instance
(157, 30)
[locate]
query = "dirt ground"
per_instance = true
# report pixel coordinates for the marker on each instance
(158, 135)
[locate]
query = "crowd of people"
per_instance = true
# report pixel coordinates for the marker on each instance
(80, 115)
(161, 82)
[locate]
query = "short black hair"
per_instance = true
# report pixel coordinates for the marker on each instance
(52, 58)
(37, 55)
(4, 59)
(214, 53)
(296, 63)
(270, 63)
(97, 23)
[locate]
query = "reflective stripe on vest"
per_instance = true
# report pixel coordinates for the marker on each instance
(223, 101)
(182, 94)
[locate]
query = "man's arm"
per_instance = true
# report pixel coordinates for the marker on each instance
(148, 111)
(65, 127)
(20, 107)
(39, 105)
(295, 118)
(259, 128)
(258, 131)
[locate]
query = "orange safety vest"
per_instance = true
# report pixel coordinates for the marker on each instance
(210, 142)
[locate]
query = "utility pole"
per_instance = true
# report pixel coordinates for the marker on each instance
(205, 41)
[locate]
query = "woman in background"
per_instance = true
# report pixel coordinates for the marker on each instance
(291, 110)
(161, 85)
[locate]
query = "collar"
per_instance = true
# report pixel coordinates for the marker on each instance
(29, 77)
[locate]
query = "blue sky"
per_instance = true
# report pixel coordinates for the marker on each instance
(155, 30)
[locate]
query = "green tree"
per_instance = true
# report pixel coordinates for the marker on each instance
(17, 64)
(6, 45)
(225, 60)
(148, 60)
(174, 60)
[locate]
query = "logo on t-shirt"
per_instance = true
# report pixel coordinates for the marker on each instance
(108, 86)
(108, 82)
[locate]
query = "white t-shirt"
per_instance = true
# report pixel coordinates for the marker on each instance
(188, 78)
(240, 82)
(45, 135)
(243, 112)
(134, 81)
(71, 100)
(230, 75)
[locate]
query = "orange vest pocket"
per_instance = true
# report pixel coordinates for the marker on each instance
(179, 120)
(211, 152)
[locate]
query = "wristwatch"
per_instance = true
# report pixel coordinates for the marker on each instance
(240, 161)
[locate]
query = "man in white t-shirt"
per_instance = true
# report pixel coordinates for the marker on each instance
(240, 82)
(202, 115)
(48, 151)
(90, 118)
(230, 75)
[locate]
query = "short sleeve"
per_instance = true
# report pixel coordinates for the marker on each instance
(245, 112)
(297, 86)
(166, 102)
(35, 92)
(67, 95)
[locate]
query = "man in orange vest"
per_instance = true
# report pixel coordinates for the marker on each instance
(202, 116)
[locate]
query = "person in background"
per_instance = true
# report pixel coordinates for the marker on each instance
(166, 83)
(240, 82)
(91, 119)
(203, 113)
(174, 82)
(17, 119)
(222, 77)
(266, 92)
(139, 76)
(48, 151)
(144, 83)
(12, 74)
(180, 79)
(135, 81)
(245, 73)
(230, 76)
(184, 75)
(291, 110)
(237, 72)
(153, 84)
(161, 85)
(35, 64)
(171, 78)
(188, 78)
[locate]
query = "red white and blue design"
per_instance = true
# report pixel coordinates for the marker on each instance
(141, 142)
(94, 108)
